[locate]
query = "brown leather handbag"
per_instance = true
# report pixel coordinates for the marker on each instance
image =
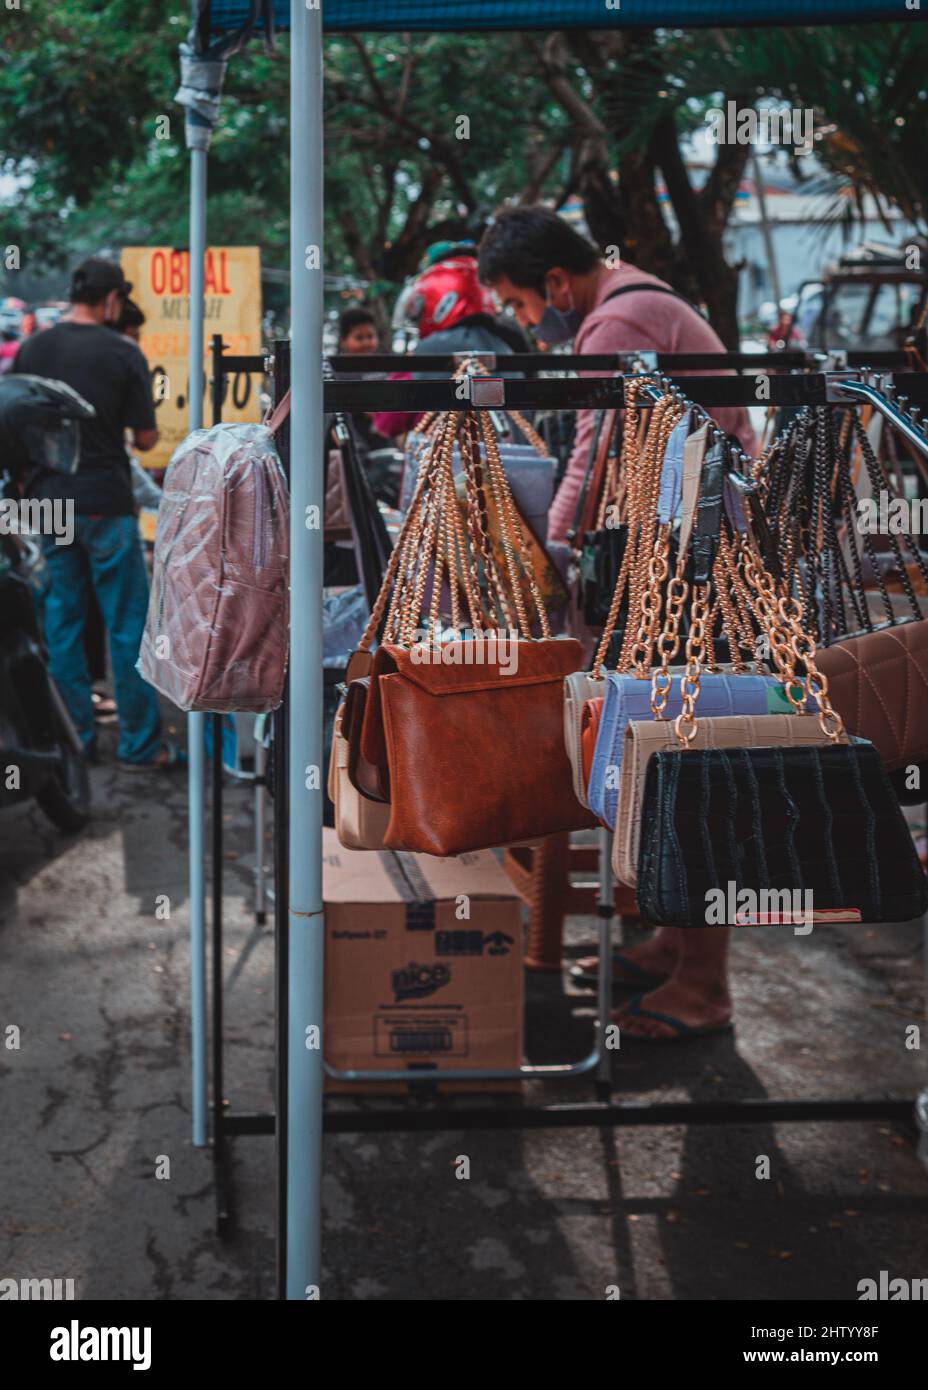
(362, 775)
(477, 756)
(463, 719)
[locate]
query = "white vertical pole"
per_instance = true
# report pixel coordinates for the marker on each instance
(196, 767)
(766, 231)
(305, 922)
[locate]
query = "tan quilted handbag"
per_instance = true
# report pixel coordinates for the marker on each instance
(878, 683)
(646, 736)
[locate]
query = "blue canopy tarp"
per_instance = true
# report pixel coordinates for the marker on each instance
(435, 15)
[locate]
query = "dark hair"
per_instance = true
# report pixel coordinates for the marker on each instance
(95, 278)
(354, 318)
(131, 316)
(525, 243)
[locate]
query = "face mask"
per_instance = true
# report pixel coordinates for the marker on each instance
(557, 326)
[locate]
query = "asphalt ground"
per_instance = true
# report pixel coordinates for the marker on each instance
(97, 1096)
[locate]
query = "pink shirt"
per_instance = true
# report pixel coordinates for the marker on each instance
(649, 322)
(392, 422)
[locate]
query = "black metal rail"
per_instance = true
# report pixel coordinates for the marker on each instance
(533, 362)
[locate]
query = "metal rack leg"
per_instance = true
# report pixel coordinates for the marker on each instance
(605, 910)
(223, 1215)
(260, 824)
(281, 943)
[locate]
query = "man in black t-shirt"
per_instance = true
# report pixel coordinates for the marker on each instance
(111, 373)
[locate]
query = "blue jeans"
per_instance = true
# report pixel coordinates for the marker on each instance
(107, 553)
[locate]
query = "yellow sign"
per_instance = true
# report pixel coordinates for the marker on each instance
(160, 277)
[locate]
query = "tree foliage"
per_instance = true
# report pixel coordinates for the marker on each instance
(426, 134)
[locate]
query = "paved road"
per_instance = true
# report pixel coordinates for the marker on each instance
(97, 1097)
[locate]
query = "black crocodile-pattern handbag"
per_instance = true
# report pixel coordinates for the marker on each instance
(775, 821)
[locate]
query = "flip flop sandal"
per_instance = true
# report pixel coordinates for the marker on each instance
(636, 978)
(683, 1032)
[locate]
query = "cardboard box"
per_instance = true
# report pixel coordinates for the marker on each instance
(423, 965)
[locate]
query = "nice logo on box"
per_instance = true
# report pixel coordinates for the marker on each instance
(418, 981)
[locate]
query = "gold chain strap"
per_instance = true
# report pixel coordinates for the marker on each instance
(790, 642)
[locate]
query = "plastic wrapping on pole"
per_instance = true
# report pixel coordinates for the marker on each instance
(196, 767)
(305, 924)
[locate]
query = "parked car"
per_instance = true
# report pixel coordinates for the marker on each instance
(871, 298)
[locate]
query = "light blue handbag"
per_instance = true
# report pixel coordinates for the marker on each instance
(629, 697)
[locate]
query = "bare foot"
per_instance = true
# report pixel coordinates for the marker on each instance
(657, 957)
(698, 1005)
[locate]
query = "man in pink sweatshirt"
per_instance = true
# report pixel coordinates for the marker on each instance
(555, 282)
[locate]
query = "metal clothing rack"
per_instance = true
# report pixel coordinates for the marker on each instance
(599, 392)
(834, 359)
(910, 391)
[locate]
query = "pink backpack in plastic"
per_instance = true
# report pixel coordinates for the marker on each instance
(217, 630)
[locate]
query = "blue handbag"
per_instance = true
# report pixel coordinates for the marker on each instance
(629, 697)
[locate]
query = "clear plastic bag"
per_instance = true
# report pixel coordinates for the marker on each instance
(216, 636)
(344, 618)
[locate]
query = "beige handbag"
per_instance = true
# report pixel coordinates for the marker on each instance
(359, 822)
(646, 736)
(579, 687)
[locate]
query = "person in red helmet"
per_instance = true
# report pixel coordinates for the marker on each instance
(452, 312)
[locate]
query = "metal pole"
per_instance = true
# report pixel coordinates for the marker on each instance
(305, 922)
(765, 229)
(196, 766)
(260, 826)
(281, 881)
(605, 909)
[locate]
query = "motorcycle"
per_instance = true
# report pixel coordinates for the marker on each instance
(40, 751)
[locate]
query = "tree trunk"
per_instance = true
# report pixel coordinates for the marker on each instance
(602, 203)
(700, 237)
(647, 242)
